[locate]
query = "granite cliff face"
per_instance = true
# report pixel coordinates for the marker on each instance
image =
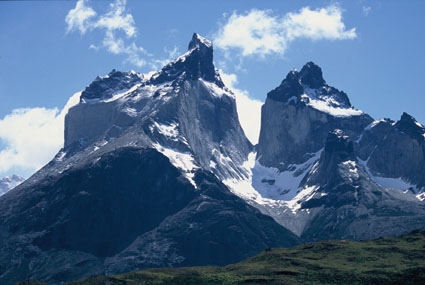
(326, 170)
(352, 205)
(156, 171)
(298, 115)
(184, 107)
(395, 150)
(137, 183)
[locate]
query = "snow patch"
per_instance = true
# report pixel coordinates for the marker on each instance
(183, 161)
(204, 41)
(269, 186)
(327, 104)
(131, 112)
(351, 169)
(419, 125)
(170, 131)
(215, 90)
(149, 91)
(421, 196)
(303, 195)
(116, 96)
(122, 94)
(389, 182)
(373, 124)
(244, 188)
(213, 164)
(60, 156)
(395, 183)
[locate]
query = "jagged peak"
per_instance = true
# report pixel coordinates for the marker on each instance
(334, 173)
(199, 42)
(196, 63)
(408, 119)
(307, 87)
(410, 126)
(311, 75)
(104, 87)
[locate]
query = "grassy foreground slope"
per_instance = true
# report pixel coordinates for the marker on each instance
(382, 261)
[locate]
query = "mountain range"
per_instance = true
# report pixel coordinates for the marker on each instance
(156, 171)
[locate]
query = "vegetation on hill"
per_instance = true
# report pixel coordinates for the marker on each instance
(381, 261)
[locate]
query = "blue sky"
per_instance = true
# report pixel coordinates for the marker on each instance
(373, 50)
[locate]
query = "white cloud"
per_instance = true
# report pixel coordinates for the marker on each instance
(321, 24)
(117, 20)
(32, 136)
(258, 32)
(79, 17)
(366, 10)
(117, 25)
(249, 110)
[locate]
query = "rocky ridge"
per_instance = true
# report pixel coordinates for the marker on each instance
(320, 160)
(156, 171)
(137, 183)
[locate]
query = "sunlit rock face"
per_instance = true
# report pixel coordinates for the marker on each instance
(139, 181)
(156, 171)
(184, 106)
(324, 169)
(298, 115)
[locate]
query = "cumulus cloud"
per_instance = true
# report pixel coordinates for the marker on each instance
(118, 27)
(249, 109)
(259, 32)
(116, 19)
(32, 136)
(324, 23)
(80, 17)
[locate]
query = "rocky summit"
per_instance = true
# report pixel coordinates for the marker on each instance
(156, 171)
(326, 170)
(298, 115)
(138, 182)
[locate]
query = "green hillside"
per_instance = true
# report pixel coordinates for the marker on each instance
(382, 261)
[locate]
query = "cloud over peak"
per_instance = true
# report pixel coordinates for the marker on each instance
(259, 32)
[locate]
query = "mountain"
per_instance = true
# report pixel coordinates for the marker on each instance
(156, 171)
(182, 110)
(352, 205)
(9, 182)
(394, 152)
(326, 170)
(138, 182)
(298, 115)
